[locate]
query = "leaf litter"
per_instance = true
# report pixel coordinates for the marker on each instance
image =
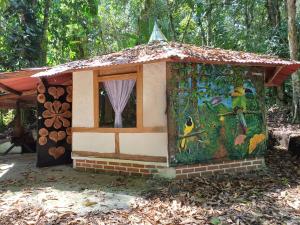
(270, 196)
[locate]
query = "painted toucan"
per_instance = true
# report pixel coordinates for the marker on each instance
(239, 105)
(188, 127)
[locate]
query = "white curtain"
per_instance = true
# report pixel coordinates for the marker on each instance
(118, 92)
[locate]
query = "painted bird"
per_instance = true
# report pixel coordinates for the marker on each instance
(239, 105)
(188, 127)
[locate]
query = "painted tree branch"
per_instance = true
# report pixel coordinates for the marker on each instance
(234, 113)
(190, 134)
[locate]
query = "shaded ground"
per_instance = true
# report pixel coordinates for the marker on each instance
(60, 195)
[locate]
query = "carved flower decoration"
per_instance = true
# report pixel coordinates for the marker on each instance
(57, 114)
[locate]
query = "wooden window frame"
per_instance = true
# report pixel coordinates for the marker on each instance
(139, 99)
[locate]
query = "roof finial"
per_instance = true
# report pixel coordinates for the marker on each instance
(157, 35)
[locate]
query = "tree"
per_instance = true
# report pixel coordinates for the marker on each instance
(293, 46)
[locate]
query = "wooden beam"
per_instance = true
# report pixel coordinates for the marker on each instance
(120, 130)
(11, 96)
(143, 158)
(126, 76)
(10, 90)
(139, 98)
(276, 72)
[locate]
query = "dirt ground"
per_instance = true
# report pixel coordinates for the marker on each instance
(61, 195)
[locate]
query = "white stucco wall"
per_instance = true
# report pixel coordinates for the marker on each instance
(150, 144)
(154, 95)
(94, 142)
(83, 99)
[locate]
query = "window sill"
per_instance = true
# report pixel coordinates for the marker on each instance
(120, 130)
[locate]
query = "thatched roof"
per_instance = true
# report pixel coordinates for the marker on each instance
(163, 51)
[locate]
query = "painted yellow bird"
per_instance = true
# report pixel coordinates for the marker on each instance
(188, 127)
(239, 105)
(238, 92)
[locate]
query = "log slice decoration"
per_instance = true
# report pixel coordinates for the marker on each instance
(69, 94)
(56, 92)
(43, 136)
(57, 114)
(56, 152)
(54, 136)
(41, 88)
(57, 136)
(41, 98)
(43, 140)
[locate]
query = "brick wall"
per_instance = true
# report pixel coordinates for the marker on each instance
(129, 168)
(189, 171)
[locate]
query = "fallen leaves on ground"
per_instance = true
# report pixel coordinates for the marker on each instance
(266, 197)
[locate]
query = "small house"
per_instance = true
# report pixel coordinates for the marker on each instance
(163, 108)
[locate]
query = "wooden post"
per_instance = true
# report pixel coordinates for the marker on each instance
(170, 118)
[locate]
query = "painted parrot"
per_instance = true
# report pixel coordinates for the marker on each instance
(239, 105)
(188, 127)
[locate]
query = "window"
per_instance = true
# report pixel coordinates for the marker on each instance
(118, 98)
(107, 113)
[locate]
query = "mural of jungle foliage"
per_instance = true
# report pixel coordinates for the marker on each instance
(218, 112)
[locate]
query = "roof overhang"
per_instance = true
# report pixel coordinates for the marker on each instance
(21, 86)
(277, 69)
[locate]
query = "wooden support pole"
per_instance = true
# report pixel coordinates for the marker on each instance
(10, 90)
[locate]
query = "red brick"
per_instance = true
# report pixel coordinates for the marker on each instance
(101, 162)
(80, 160)
(188, 170)
(247, 163)
(145, 171)
(202, 168)
(98, 166)
(178, 171)
(90, 161)
(120, 168)
(150, 166)
(235, 164)
(182, 176)
(133, 169)
(224, 166)
(109, 167)
(114, 163)
(125, 164)
(213, 167)
(257, 162)
(138, 165)
(87, 165)
(78, 164)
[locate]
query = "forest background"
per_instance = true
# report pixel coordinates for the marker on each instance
(35, 33)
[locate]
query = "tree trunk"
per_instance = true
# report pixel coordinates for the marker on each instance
(44, 35)
(293, 46)
(274, 18)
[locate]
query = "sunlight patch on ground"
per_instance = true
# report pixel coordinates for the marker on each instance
(4, 168)
(82, 202)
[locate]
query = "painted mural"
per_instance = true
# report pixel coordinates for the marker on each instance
(218, 112)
